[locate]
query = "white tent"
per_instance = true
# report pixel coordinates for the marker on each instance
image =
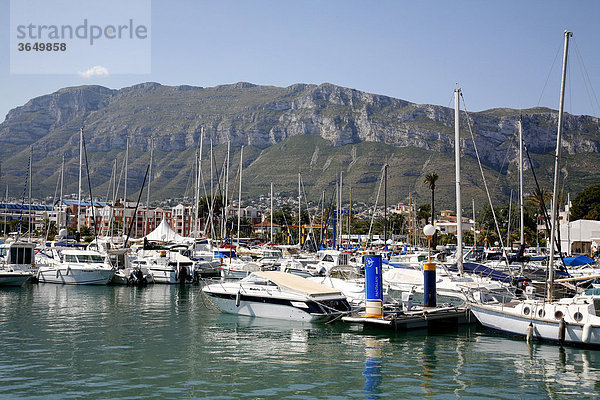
(164, 233)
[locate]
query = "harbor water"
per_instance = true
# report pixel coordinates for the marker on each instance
(116, 342)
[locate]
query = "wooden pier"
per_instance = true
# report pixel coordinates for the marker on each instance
(417, 318)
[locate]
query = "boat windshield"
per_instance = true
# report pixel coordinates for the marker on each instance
(84, 258)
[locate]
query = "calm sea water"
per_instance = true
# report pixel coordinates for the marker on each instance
(69, 342)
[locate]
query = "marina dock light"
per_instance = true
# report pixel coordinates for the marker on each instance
(429, 271)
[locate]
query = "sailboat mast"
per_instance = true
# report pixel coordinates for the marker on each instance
(556, 168)
(226, 204)
(385, 220)
(474, 227)
(240, 198)
(149, 181)
(299, 213)
(125, 183)
(79, 190)
(5, 213)
(271, 212)
(459, 241)
(212, 198)
(30, 184)
(62, 177)
(521, 205)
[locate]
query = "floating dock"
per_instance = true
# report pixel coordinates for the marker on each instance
(417, 318)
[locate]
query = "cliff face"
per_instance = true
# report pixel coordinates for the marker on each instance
(261, 116)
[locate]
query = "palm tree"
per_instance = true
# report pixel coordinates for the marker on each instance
(430, 180)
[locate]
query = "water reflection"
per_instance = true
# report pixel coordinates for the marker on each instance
(372, 372)
(166, 342)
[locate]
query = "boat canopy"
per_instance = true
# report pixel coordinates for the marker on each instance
(296, 283)
(575, 261)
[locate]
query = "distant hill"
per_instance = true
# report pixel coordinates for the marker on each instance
(317, 130)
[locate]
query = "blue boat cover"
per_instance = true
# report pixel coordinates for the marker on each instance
(575, 261)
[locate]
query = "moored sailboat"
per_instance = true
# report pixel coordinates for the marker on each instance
(574, 320)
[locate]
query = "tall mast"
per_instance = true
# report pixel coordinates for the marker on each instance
(30, 184)
(556, 167)
(385, 221)
(79, 192)
(508, 244)
(240, 198)
(521, 205)
(125, 183)
(474, 227)
(568, 210)
(341, 214)
(350, 215)
(212, 200)
(5, 213)
(200, 177)
(299, 214)
(226, 204)
(271, 212)
(196, 169)
(149, 181)
(323, 227)
(62, 177)
(459, 242)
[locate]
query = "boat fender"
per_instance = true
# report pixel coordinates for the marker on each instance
(238, 297)
(68, 269)
(57, 272)
(562, 327)
(530, 332)
(587, 333)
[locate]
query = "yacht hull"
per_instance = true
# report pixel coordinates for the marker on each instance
(14, 278)
(267, 308)
(510, 321)
(74, 276)
(167, 276)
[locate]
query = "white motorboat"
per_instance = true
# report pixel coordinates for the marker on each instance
(276, 294)
(73, 266)
(232, 266)
(17, 263)
(167, 266)
(126, 272)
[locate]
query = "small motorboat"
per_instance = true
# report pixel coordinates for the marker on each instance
(280, 295)
(17, 263)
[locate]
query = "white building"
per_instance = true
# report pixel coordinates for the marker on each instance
(581, 237)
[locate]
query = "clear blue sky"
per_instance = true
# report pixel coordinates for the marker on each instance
(500, 53)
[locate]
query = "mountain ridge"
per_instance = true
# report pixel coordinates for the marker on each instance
(260, 117)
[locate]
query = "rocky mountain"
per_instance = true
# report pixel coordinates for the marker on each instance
(319, 130)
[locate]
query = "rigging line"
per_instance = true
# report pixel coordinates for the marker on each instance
(190, 174)
(544, 88)
(549, 73)
(543, 204)
(23, 200)
(112, 172)
(505, 162)
(116, 186)
(87, 172)
(484, 180)
(311, 218)
(134, 219)
(376, 201)
(588, 83)
(53, 204)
